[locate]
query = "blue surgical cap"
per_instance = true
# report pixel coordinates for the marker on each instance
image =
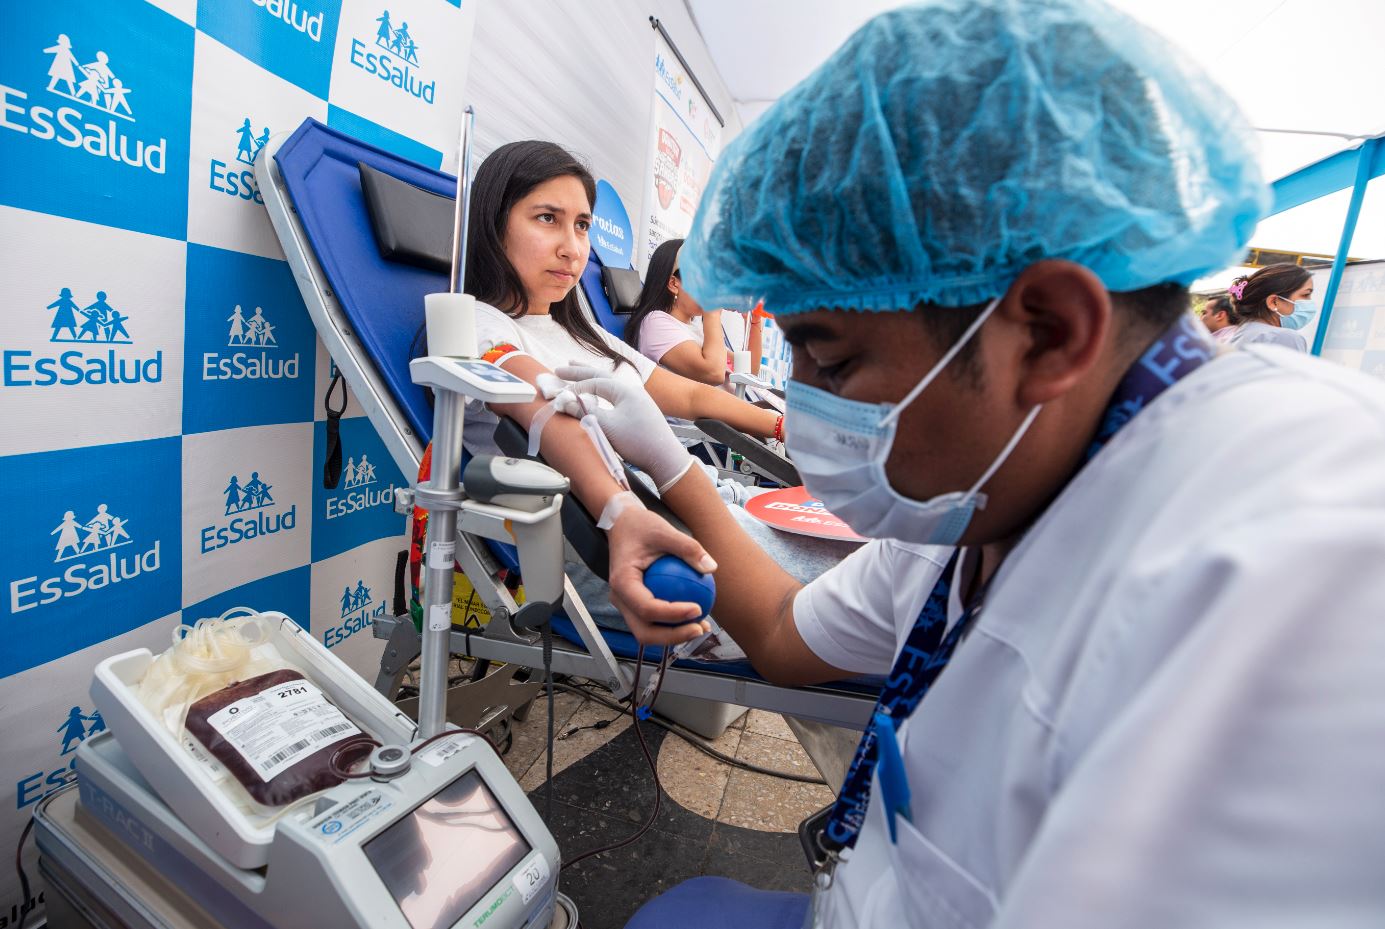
(947, 146)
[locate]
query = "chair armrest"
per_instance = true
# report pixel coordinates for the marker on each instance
(767, 461)
(579, 527)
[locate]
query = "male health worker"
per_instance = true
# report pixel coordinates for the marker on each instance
(1118, 695)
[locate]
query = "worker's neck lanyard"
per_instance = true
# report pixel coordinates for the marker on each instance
(1182, 349)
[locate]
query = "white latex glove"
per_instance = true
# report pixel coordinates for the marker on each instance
(637, 430)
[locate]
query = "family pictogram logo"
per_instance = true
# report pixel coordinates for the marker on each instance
(358, 475)
(250, 144)
(101, 322)
(253, 495)
(75, 539)
(93, 83)
(353, 600)
(247, 503)
(397, 61)
(255, 331)
(78, 727)
(396, 40)
(99, 93)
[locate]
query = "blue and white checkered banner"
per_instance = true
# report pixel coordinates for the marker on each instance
(161, 384)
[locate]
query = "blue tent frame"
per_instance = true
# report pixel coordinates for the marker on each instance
(1353, 168)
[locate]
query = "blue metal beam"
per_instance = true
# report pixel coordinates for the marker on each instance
(1333, 173)
(1368, 158)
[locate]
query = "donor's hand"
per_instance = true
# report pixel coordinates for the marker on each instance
(637, 539)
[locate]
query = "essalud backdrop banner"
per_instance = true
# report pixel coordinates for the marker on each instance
(161, 386)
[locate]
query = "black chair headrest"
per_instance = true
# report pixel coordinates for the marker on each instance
(622, 288)
(411, 225)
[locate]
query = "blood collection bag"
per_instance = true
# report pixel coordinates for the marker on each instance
(268, 731)
(276, 734)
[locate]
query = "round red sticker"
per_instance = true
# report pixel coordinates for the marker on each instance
(793, 510)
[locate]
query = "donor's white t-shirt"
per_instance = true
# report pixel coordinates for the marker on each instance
(550, 345)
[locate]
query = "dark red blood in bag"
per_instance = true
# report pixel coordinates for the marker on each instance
(309, 773)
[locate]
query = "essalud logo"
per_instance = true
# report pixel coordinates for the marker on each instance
(101, 95)
(248, 505)
(88, 548)
(396, 64)
(358, 613)
(237, 178)
(357, 479)
(251, 354)
(673, 80)
(75, 728)
(99, 325)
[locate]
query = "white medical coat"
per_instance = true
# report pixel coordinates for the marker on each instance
(1171, 712)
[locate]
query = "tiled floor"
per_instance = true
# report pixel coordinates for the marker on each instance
(714, 818)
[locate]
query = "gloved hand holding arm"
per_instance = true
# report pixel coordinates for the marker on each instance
(754, 600)
(636, 428)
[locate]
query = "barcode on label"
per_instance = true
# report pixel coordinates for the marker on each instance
(296, 747)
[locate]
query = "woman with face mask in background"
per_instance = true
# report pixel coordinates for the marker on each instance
(1270, 304)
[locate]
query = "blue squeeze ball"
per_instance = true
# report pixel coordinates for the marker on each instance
(673, 579)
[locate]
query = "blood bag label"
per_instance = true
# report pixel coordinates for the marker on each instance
(280, 725)
(532, 878)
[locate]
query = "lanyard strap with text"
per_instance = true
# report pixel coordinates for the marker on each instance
(1182, 349)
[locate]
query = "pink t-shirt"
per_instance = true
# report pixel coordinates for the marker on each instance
(662, 331)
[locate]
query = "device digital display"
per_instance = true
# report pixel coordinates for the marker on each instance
(487, 371)
(440, 860)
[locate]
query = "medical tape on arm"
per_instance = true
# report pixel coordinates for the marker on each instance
(624, 500)
(561, 400)
(553, 389)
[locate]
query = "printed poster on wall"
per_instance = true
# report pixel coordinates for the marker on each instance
(684, 142)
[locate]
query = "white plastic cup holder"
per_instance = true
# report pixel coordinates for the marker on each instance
(451, 322)
(740, 362)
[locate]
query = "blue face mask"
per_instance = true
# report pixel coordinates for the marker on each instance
(1303, 314)
(840, 447)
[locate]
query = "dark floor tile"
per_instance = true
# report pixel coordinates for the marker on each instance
(610, 887)
(791, 875)
(615, 781)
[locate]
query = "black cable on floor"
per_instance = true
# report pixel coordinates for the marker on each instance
(653, 770)
(693, 740)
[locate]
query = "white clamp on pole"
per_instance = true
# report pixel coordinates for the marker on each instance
(451, 327)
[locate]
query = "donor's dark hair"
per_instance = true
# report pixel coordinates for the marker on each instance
(655, 294)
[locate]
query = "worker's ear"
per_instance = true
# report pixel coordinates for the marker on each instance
(1059, 317)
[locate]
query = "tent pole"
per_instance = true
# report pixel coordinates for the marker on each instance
(1364, 157)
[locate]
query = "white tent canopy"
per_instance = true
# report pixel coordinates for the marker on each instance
(1307, 73)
